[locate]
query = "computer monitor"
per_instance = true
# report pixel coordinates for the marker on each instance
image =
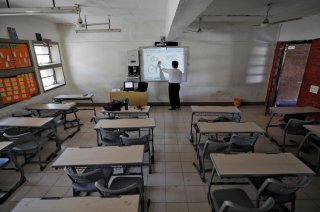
(128, 85)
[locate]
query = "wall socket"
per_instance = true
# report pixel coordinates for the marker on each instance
(314, 89)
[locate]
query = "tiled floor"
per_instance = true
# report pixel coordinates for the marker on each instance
(174, 184)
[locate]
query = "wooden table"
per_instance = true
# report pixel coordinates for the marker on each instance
(73, 97)
(34, 122)
(61, 109)
(114, 124)
(100, 156)
(207, 128)
(258, 164)
(211, 110)
(127, 203)
(5, 150)
(132, 111)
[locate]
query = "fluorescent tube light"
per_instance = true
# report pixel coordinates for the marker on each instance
(38, 11)
(96, 30)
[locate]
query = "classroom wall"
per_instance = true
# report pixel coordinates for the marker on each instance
(230, 62)
(26, 27)
(304, 29)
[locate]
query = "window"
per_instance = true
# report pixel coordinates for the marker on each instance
(49, 65)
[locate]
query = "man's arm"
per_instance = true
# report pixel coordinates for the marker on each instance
(163, 69)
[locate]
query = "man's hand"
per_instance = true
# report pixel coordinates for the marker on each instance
(159, 63)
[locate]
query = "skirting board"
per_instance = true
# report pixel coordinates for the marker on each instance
(183, 103)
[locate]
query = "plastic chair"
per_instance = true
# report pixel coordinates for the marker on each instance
(110, 137)
(243, 143)
(28, 144)
(236, 200)
(280, 191)
(122, 186)
(293, 127)
(144, 140)
(85, 182)
(203, 153)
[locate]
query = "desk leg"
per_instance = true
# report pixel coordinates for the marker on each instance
(94, 107)
(191, 135)
(6, 194)
(268, 125)
(152, 156)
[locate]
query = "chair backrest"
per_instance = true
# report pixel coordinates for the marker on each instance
(243, 140)
(143, 140)
(110, 137)
(295, 127)
(230, 206)
(216, 147)
(21, 138)
(281, 188)
(90, 176)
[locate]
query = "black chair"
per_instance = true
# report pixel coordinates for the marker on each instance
(236, 200)
(203, 153)
(85, 182)
(280, 191)
(143, 140)
(293, 127)
(243, 143)
(122, 186)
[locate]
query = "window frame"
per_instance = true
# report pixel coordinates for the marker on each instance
(50, 65)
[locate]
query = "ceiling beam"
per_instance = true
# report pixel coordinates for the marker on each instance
(186, 12)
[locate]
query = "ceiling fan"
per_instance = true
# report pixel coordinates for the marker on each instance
(199, 29)
(266, 21)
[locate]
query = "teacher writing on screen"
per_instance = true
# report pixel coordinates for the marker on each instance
(175, 76)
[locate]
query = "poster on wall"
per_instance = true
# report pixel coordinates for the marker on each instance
(31, 83)
(6, 58)
(14, 55)
(12, 33)
(14, 89)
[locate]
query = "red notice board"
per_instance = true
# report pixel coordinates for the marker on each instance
(14, 89)
(6, 58)
(21, 55)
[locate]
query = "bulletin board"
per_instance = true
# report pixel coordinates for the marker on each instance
(17, 74)
(14, 55)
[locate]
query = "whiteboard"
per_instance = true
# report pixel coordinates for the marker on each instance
(149, 57)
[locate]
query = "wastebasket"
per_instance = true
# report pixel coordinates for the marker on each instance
(237, 102)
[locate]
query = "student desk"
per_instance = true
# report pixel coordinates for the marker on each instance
(211, 110)
(101, 156)
(126, 203)
(74, 97)
(33, 122)
(5, 149)
(207, 128)
(115, 124)
(258, 164)
(60, 109)
(132, 111)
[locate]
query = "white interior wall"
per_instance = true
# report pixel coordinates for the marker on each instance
(230, 62)
(26, 27)
(304, 29)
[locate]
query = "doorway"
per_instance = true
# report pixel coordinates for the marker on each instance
(287, 74)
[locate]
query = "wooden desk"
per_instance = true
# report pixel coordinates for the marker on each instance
(60, 109)
(207, 128)
(114, 124)
(315, 129)
(34, 122)
(74, 97)
(132, 111)
(127, 203)
(258, 164)
(4, 149)
(135, 97)
(211, 110)
(100, 156)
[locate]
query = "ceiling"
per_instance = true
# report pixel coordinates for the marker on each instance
(248, 12)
